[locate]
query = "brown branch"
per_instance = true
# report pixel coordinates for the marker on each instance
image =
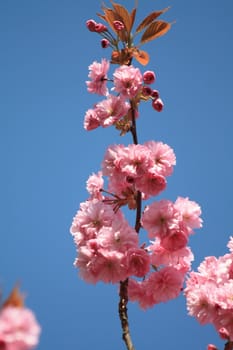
(229, 345)
(124, 315)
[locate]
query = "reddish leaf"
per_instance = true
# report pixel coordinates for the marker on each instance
(155, 30)
(133, 14)
(141, 56)
(101, 16)
(149, 19)
(15, 299)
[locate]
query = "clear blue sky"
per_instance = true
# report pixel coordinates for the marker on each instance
(46, 157)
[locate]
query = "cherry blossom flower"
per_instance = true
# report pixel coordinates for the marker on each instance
(91, 120)
(138, 262)
(163, 157)
(19, 328)
(190, 212)
(127, 81)
(95, 184)
(111, 110)
(160, 217)
(98, 76)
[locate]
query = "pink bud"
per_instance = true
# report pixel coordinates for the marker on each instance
(155, 94)
(146, 91)
(104, 43)
(157, 105)
(149, 77)
(118, 25)
(99, 28)
(211, 347)
(91, 25)
(223, 333)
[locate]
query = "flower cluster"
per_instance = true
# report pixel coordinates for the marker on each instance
(209, 293)
(170, 225)
(130, 85)
(19, 329)
(108, 248)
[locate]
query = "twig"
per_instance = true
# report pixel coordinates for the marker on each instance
(124, 315)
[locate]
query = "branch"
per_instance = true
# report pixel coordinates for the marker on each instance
(229, 345)
(123, 314)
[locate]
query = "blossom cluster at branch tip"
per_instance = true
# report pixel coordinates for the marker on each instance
(130, 86)
(108, 247)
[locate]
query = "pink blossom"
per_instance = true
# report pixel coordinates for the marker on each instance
(91, 120)
(151, 184)
(95, 184)
(190, 212)
(180, 259)
(127, 81)
(135, 161)
(138, 262)
(19, 329)
(111, 110)
(149, 77)
(175, 239)
(98, 76)
(119, 237)
(90, 218)
(157, 104)
(165, 284)
(200, 298)
(163, 157)
(136, 292)
(160, 217)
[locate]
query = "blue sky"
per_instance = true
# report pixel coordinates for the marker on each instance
(46, 157)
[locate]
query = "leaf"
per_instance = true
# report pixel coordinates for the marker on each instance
(150, 18)
(133, 14)
(123, 14)
(141, 56)
(155, 30)
(101, 16)
(15, 298)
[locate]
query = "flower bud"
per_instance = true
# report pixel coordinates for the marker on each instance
(118, 25)
(99, 28)
(211, 347)
(157, 105)
(155, 94)
(149, 77)
(146, 91)
(91, 25)
(104, 43)
(223, 333)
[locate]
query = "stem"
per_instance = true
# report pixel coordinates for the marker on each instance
(123, 293)
(229, 345)
(122, 309)
(133, 128)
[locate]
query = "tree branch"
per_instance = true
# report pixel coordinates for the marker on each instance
(124, 315)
